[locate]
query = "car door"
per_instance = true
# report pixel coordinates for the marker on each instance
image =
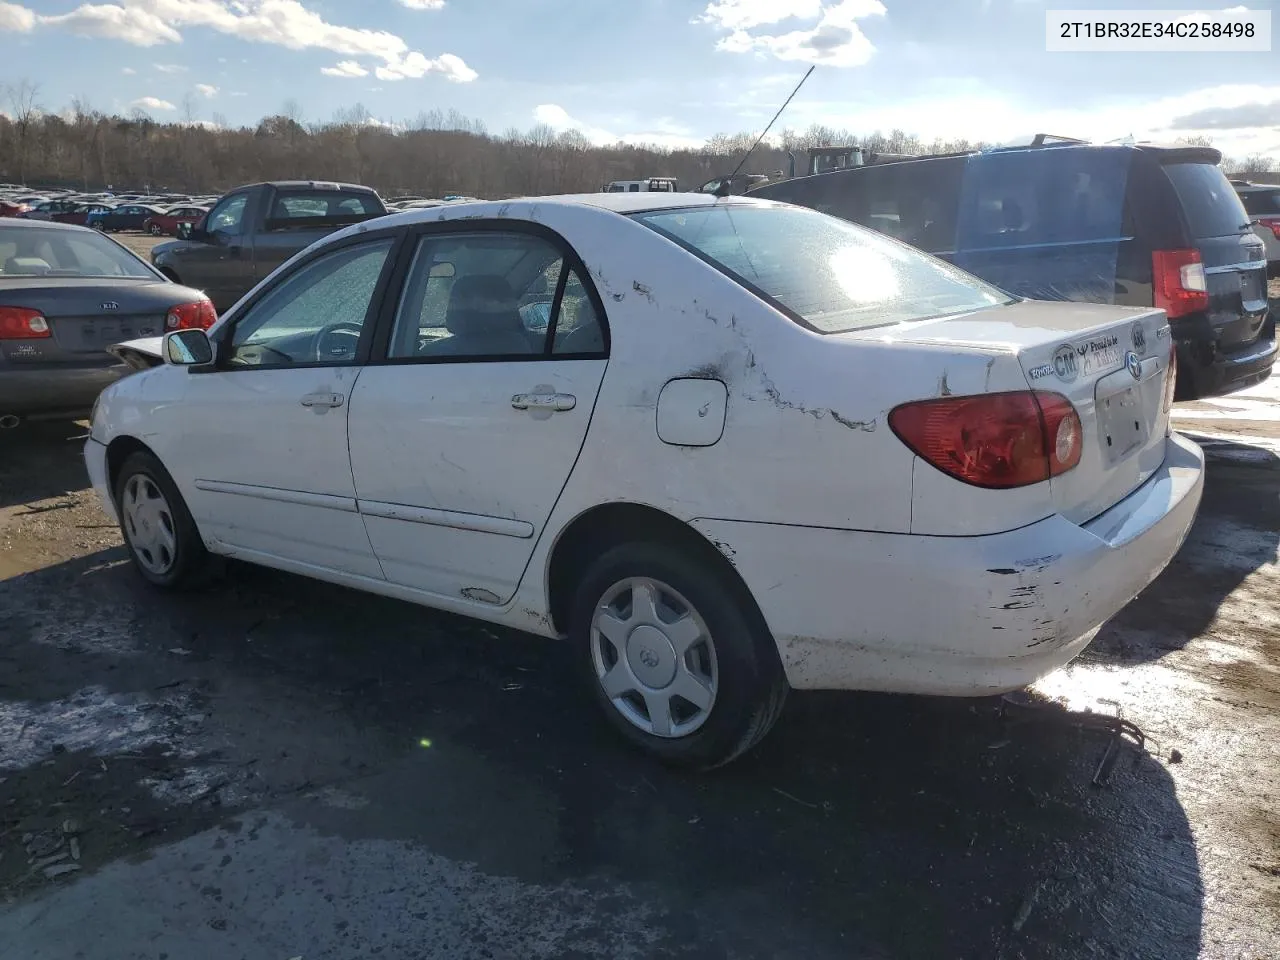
(216, 263)
(265, 457)
(466, 425)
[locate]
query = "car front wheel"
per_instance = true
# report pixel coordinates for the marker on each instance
(158, 530)
(678, 664)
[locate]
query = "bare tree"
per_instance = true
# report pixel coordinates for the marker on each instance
(23, 101)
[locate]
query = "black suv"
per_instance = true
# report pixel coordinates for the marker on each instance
(1139, 225)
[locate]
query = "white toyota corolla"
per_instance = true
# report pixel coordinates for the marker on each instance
(724, 447)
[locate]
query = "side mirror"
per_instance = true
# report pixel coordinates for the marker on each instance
(188, 348)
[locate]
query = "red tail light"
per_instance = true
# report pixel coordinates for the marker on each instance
(1179, 282)
(996, 440)
(1272, 224)
(190, 316)
(19, 323)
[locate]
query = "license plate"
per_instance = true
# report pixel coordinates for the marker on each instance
(105, 333)
(1122, 423)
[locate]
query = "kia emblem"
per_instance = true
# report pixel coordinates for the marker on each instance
(110, 305)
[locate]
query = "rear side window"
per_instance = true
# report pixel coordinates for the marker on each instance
(827, 274)
(1025, 198)
(1210, 203)
(1260, 203)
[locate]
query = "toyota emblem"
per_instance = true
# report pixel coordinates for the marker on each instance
(1134, 364)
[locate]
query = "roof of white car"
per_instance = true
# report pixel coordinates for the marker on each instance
(622, 203)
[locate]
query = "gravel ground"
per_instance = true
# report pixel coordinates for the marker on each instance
(273, 768)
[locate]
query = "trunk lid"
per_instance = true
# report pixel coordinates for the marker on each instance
(86, 316)
(1111, 363)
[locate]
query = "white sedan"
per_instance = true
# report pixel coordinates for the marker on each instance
(725, 447)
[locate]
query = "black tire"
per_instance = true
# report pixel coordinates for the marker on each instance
(751, 687)
(191, 565)
(153, 229)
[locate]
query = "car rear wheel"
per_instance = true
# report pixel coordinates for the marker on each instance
(158, 530)
(99, 226)
(679, 667)
(153, 229)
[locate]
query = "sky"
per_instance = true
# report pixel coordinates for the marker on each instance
(672, 72)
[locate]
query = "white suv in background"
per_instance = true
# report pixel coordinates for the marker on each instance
(1262, 202)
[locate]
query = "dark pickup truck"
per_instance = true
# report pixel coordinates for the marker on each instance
(253, 229)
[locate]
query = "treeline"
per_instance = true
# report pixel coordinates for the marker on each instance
(435, 154)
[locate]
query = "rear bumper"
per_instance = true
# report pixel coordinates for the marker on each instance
(962, 616)
(1211, 371)
(55, 388)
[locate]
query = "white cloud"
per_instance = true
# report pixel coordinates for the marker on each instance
(834, 39)
(128, 71)
(284, 23)
(16, 19)
(206, 90)
(152, 103)
(171, 68)
(415, 65)
(422, 4)
(345, 68)
(745, 14)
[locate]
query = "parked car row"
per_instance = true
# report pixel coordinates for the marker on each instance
(1138, 225)
(110, 213)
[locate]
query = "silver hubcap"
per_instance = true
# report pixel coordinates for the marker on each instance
(654, 657)
(149, 523)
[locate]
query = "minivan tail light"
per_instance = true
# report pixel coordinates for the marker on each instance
(21, 323)
(1272, 224)
(191, 316)
(994, 440)
(1178, 281)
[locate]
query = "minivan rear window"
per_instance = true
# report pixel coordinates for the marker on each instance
(1211, 204)
(827, 274)
(1259, 203)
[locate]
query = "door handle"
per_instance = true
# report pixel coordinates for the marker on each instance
(544, 401)
(325, 400)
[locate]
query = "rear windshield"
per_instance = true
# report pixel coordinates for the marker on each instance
(1261, 202)
(829, 275)
(305, 205)
(33, 251)
(1213, 209)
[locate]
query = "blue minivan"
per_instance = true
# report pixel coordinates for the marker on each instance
(1138, 225)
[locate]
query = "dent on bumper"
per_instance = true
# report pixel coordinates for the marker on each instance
(962, 616)
(95, 462)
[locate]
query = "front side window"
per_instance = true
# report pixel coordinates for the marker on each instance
(228, 216)
(315, 315)
(827, 274)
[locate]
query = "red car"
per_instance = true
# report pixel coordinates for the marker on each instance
(9, 208)
(167, 222)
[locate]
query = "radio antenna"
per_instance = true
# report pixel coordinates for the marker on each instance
(723, 189)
